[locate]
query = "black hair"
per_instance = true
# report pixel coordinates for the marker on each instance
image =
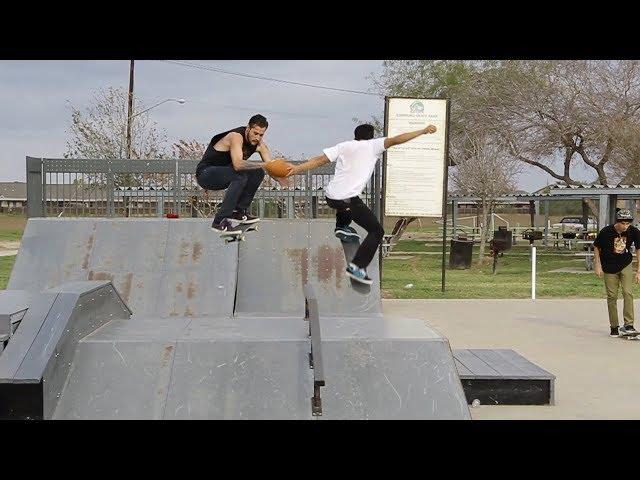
(363, 132)
(259, 120)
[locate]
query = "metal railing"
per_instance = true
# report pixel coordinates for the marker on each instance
(149, 188)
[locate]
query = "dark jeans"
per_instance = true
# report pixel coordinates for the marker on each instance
(355, 209)
(241, 187)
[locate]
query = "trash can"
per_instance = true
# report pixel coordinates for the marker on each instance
(502, 239)
(460, 254)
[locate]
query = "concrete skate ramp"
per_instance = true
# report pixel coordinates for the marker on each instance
(285, 254)
(258, 368)
(160, 267)
(34, 368)
(185, 354)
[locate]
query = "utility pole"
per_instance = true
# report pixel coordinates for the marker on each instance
(130, 110)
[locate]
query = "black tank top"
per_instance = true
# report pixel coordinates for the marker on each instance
(214, 157)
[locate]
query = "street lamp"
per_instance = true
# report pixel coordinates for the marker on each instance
(178, 100)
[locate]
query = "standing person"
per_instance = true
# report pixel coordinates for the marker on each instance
(612, 259)
(355, 161)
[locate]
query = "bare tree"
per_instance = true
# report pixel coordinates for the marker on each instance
(624, 168)
(482, 171)
(100, 130)
(575, 111)
(188, 150)
(580, 113)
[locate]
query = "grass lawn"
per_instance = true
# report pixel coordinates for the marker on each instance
(512, 280)
(11, 227)
(6, 264)
(424, 270)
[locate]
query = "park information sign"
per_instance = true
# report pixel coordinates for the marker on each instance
(415, 171)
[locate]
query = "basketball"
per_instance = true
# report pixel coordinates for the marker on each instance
(277, 168)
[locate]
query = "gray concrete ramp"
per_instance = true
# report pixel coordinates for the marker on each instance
(160, 267)
(35, 366)
(234, 368)
(219, 331)
(378, 369)
(278, 260)
(258, 368)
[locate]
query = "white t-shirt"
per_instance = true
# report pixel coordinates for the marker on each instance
(355, 161)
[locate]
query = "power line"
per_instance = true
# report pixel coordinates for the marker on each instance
(259, 77)
(275, 112)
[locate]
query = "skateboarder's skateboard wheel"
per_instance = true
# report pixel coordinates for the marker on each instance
(235, 238)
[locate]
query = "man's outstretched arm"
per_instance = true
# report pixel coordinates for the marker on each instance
(405, 137)
(310, 164)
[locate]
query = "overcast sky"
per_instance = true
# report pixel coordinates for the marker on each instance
(35, 99)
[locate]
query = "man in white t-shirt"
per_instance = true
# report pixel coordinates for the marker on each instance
(355, 161)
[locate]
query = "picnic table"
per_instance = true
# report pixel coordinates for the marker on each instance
(588, 255)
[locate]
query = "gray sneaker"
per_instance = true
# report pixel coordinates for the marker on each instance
(627, 331)
(347, 234)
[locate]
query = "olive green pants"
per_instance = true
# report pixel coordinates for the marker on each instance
(612, 281)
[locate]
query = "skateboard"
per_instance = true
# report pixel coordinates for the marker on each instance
(350, 248)
(631, 336)
(239, 237)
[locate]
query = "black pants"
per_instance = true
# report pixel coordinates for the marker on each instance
(241, 187)
(355, 209)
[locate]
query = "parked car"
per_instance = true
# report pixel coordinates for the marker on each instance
(572, 226)
(575, 223)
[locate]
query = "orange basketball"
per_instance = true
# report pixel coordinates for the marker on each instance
(277, 168)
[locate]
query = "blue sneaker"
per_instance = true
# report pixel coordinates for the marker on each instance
(347, 234)
(358, 274)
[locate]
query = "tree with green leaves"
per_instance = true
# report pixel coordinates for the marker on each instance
(478, 167)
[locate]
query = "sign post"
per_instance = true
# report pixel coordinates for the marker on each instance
(415, 173)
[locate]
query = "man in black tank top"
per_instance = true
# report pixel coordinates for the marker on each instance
(224, 165)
